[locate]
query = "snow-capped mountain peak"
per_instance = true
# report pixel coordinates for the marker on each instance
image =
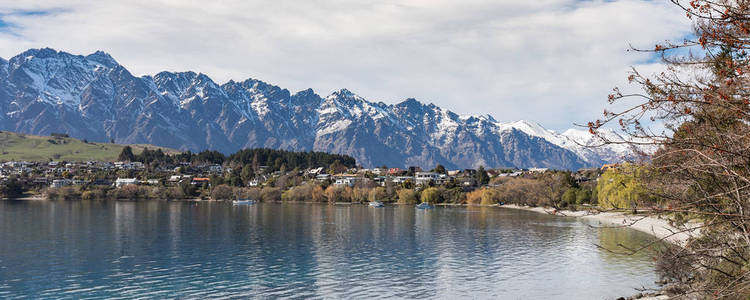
(93, 97)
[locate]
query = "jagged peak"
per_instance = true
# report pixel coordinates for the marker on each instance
(169, 75)
(343, 94)
(103, 58)
(39, 52)
(306, 93)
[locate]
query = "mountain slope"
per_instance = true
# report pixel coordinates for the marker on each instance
(94, 97)
(19, 147)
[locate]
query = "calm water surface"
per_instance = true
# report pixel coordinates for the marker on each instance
(114, 250)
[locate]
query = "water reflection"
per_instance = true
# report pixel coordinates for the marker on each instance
(178, 249)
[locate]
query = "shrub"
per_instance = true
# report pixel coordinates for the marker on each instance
(358, 195)
(317, 194)
(430, 195)
(377, 194)
(453, 195)
(407, 196)
(270, 194)
(485, 196)
(334, 194)
(222, 192)
(298, 193)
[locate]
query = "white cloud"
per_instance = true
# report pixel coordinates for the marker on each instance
(552, 61)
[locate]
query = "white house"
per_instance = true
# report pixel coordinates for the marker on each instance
(125, 181)
(423, 178)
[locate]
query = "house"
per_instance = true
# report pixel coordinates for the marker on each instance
(422, 178)
(258, 180)
(315, 171)
(401, 179)
(323, 177)
(514, 174)
(394, 171)
(58, 183)
(609, 166)
(538, 170)
(200, 180)
(125, 181)
(347, 180)
(215, 169)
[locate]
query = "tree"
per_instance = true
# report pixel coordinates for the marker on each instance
(430, 195)
(439, 169)
(481, 176)
(701, 168)
(407, 196)
(126, 154)
(569, 197)
(11, 188)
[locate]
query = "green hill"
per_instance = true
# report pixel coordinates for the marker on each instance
(16, 146)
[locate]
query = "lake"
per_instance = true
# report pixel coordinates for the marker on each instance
(159, 249)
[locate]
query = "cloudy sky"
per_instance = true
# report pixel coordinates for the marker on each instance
(550, 61)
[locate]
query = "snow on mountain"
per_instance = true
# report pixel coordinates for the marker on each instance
(588, 146)
(93, 97)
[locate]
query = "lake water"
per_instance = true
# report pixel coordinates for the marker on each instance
(83, 249)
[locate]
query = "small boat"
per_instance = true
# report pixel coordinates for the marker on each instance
(425, 205)
(376, 204)
(244, 202)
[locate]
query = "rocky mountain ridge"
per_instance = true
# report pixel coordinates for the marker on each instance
(96, 98)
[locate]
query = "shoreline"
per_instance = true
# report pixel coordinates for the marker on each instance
(654, 225)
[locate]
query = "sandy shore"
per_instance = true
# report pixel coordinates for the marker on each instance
(653, 225)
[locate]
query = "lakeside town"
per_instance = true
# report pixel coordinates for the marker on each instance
(211, 176)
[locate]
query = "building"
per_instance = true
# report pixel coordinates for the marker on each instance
(58, 183)
(200, 180)
(125, 181)
(422, 178)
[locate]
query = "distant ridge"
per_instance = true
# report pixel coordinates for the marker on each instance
(24, 147)
(96, 98)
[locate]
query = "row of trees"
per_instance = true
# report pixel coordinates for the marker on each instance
(272, 160)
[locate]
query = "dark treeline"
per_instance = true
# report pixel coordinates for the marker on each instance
(273, 160)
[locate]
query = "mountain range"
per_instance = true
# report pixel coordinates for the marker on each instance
(94, 97)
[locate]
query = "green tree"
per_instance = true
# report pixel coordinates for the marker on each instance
(481, 176)
(126, 154)
(583, 195)
(439, 169)
(11, 188)
(430, 195)
(569, 197)
(621, 188)
(407, 196)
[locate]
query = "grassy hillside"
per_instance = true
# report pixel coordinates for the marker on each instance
(15, 146)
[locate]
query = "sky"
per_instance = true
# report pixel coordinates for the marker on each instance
(549, 61)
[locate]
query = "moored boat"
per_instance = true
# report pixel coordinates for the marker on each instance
(376, 204)
(244, 202)
(425, 205)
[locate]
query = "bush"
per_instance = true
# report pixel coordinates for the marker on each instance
(222, 192)
(569, 197)
(358, 195)
(317, 194)
(377, 194)
(430, 195)
(485, 196)
(407, 196)
(298, 193)
(270, 194)
(453, 195)
(334, 194)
